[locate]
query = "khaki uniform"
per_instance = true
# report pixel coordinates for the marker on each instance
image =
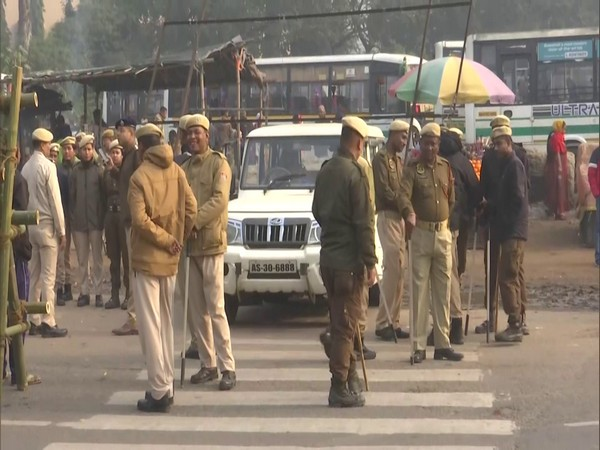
(116, 240)
(44, 196)
(87, 207)
(368, 168)
(342, 208)
(163, 209)
(387, 170)
(209, 176)
(428, 191)
(455, 298)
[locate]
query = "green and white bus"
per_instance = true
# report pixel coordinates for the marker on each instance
(554, 74)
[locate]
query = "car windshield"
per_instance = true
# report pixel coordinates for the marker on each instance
(285, 162)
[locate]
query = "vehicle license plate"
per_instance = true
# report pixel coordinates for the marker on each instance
(273, 267)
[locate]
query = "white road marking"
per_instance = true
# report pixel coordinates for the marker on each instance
(593, 423)
(86, 446)
(375, 375)
(319, 355)
(300, 425)
(311, 398)
(25, 423)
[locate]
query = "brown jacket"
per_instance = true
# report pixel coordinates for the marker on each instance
(163, 210)
(209, 176)
(131, 161)
(387, 171)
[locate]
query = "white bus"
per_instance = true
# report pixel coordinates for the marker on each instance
(554, 74)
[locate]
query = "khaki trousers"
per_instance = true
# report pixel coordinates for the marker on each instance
(83, 241)
(511, 278)
(455, 299)
(432, 266)
(155, 326)
(209, 326)
(130, 302)
(42, 270)
(64, 272)
(390, 228)
(345, 294)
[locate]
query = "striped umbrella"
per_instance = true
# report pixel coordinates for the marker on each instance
(438, 80)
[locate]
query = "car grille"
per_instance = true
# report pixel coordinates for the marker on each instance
(275, 233)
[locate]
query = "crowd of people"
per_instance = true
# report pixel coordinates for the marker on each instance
(135, 191)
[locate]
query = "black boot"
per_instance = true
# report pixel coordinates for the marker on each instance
(367, 352)
(46, 331)
(60, 296)
(456, 331)
(83, 300)
(341, 397)
(68, 293)
(150, 404)
(481, 329)
(354, 383)
(447, 353)
(113, 303)
(513, 332)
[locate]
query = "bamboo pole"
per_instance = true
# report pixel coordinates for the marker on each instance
(9, 158)
(25, 218)
(202, 99)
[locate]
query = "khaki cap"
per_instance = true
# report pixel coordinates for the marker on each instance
(54, 146)
(399, 125)
(501, 131)
(431, 129)
(115, 144)
(357, 124)
(79, 135)
(148, 130)
(182, 121)
(197, 120)
(85, 140)
(42, 135)
(108, 133)
(500, 121)
(69, 140)
(456, 131)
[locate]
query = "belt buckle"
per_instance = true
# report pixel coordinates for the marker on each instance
(437, 226)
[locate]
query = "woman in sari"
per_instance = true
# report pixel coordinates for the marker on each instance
(556, 171)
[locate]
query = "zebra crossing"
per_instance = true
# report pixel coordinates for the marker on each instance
(280, 402)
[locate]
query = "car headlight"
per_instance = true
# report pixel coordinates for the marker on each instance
(234, 232)
(314, 235)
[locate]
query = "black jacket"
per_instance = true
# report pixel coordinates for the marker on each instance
(466, 186)
(512, 208)
(21, 244)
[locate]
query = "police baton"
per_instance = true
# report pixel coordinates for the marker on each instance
(186, 296)
(362, 357)
(386, 307)
(471, 270)
(487, 287)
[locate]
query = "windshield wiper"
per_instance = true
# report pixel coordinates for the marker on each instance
(286, 177)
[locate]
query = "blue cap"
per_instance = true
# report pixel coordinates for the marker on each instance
(125, 122)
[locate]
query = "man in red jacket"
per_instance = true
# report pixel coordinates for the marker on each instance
(594, 178)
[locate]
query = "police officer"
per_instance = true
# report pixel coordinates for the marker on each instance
(131, 160)
(510, 216)
(209, 176)
(342, 208)
(491, 171)
(64, 271)
(427, 198)
(108, 136)
(467, 197)
(116, 242)
(163, 210)
(387, 171)
(48, 237)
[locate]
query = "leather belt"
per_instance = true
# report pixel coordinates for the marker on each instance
(432, 226)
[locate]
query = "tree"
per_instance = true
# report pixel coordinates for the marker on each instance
(5, 44)
(37, 18)
(24, 25)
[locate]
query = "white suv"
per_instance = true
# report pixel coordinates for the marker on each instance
(273, 238)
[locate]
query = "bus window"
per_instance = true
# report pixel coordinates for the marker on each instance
(515, 73)
(488, 57)
(565, 81)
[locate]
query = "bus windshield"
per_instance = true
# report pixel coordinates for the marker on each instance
(285, 162)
